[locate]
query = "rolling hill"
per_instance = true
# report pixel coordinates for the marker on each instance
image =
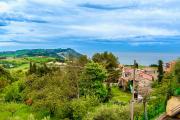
(56, 53)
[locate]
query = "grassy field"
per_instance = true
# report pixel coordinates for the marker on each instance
(23, 63)
(40, 59)
(120, 96)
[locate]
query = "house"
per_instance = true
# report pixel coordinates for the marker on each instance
(143, 78)
(169, 66)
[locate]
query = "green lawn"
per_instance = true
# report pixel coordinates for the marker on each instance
(23, 63)
(40, 59)
(13, 110)
(119, 95)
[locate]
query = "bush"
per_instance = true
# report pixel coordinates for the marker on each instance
(80, 107)
(12, 93)
(112, 112)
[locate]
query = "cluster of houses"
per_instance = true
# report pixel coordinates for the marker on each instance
(144, 77)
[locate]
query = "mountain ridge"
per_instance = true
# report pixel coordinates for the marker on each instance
(57, 53)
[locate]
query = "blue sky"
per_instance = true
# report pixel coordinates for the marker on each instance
(88, 26)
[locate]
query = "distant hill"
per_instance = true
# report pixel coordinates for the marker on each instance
(56, 53)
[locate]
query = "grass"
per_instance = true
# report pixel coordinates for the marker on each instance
(40, 59)
(20, 110)
(120, 96)
(23, 63)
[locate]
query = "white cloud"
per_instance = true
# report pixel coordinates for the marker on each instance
(66, 18)
(4, 7)
(6, 44)
(114, 31)
(49, 2)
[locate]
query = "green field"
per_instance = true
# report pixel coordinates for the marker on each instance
(119, 95)
(23, 63)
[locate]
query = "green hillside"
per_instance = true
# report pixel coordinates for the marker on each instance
(56, 53)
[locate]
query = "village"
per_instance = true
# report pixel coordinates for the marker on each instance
(144, 78)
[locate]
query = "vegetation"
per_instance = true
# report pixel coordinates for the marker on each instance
(81, 89)
(160, 71)
(61, 54)
(110, 62)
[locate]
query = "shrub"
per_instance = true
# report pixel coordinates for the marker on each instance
(80, 107)
(12, 93)
(112, 112)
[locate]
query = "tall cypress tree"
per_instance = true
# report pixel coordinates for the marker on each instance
(160, 71)
(30, 68)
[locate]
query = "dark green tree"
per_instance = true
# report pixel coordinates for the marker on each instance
(92, 80)
(5, 77)
(160, 71)
(110, 62)
(32, 68)
(177, 71)
(50, 91)
(82, 60)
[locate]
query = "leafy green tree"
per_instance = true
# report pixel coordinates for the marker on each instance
(50, 91)
(110, 62)
(92, 79)
(5, 78)
(177, 71)
(32, 68)
(160, 71)
(82, 60)
(74, 70)
(40, 69)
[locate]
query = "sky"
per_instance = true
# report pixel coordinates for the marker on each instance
(146, 30)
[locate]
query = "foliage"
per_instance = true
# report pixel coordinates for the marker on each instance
(153, 65)
(5, 77)
(50, 91)
(109, 112)
(76, 91)
(177, 71)
(14, 111)
(56, 53)
(160, 71)
(40, 59)
(92, 79)
(12, 62)
(119, 96)
(13, 92)
(31, 117)
(110, 62)
(82, 61)
(39, 70)
(81, 106)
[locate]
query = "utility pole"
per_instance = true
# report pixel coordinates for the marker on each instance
(132, 100)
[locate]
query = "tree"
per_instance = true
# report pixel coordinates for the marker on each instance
(110, 62)
(5, 77)
(177, 71)
(153, 65)
(145, 94)
(80, 107)
(32, 68)
(50, 92)
(82, 60)
(12, 93)
(160, 71)
(74, 70)
(91, 82)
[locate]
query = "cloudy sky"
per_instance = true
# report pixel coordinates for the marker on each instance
(140, 26)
